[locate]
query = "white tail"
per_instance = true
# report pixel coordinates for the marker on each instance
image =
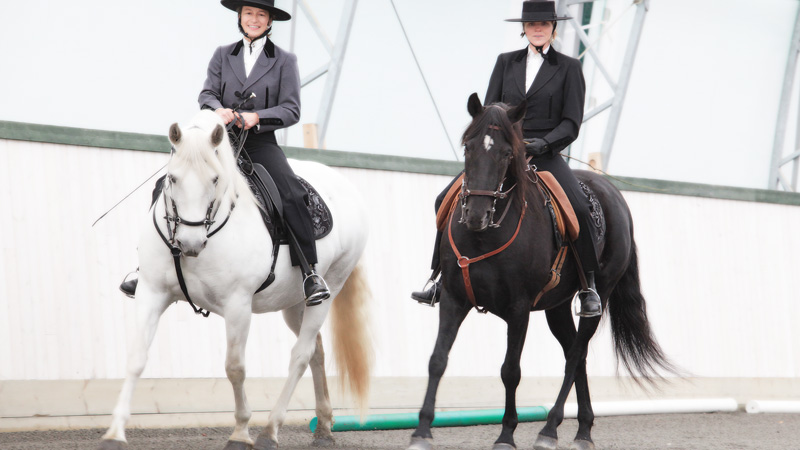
(352, 343)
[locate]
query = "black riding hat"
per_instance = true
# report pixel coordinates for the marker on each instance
(538, 11)
(269, 5)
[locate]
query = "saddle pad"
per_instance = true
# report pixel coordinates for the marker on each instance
(573, 228)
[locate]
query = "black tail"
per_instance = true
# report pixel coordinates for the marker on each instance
(634, 343)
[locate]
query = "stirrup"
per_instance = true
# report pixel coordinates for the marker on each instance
(130, 279)
(317, 297)
(432, 302)
(577, 303)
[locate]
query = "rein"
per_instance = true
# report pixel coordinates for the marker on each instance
(172, 228)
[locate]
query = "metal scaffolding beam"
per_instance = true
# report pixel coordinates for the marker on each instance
(619, 86)
(333, 68)
(776, 178)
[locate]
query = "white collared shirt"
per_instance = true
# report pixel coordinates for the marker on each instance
(251, 53)
(534, 62)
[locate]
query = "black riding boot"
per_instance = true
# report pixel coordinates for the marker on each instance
(590, 301)
(315, 288)
(429, 296)
(128, 286)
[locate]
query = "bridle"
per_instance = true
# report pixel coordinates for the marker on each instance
(496, 194)
(173, 220)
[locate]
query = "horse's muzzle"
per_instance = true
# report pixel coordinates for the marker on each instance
(191, 250)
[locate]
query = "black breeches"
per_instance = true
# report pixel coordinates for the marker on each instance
(293, 195)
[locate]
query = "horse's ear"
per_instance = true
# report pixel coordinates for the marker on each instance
(174, 133)
(217, 135)
(474, 105)
(517, 113)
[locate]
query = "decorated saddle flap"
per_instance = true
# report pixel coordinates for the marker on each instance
(266, 192)
(566, 220)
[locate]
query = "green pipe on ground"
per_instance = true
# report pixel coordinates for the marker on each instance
(441, 419)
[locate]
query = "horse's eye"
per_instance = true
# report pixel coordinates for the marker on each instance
(173, 179)
(216, 178)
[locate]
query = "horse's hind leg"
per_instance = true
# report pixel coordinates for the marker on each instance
(322, 435)
(149, 307)
(511, 374)
(237, 327)
(575, 345)
(302, 352)
(451, 315)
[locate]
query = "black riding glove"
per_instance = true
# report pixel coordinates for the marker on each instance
(537, 147)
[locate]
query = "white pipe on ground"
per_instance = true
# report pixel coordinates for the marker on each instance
(678, 406)
(772, 406)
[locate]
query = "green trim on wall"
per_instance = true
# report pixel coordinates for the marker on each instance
(154, 143)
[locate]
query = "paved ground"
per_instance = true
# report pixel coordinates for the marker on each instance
(719, 431)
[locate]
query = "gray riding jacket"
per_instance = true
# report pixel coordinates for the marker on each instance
(274, 79)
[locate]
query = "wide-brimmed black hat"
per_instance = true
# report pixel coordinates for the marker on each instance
(269, 5)
(538, 11)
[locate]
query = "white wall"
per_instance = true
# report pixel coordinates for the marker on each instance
(701, 107)
(719, 276)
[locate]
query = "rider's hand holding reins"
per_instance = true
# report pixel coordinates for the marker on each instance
(226, 114)
(250, 120)
(537, 147)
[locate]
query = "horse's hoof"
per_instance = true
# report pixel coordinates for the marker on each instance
(110, 444)
(419, 443)
(545, 443)
(503, 446)
(323, 441)
(236, 445)
(581, 445)
(265, 443)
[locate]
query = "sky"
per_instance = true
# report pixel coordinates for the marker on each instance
(701, 105)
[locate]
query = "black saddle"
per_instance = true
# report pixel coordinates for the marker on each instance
(269, 199)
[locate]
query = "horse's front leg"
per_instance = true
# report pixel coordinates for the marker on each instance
(237, 314)
(511, 374)
(575, 346)
(149, 307)
(302, 352)
(322, 435)
(451, 316)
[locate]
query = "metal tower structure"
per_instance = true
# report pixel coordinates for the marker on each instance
(618, 86)
(336, 50)
(777, 180)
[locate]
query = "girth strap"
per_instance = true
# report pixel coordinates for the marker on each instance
(464, 261)
(555, 273)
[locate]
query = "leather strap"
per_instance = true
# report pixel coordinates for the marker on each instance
(555, 274)
(464, 261)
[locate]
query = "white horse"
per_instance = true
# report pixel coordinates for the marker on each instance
(222, 272)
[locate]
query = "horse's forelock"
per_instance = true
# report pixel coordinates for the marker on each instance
(196, 152)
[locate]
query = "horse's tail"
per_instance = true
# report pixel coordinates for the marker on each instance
(634, 343)
(352, 343)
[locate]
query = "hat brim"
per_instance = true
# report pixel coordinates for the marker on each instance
(276, 13)
(539, 19)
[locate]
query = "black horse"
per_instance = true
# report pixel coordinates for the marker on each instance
(507, 283)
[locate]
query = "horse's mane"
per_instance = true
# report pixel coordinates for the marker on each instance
(496, 115)
(198, 153)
